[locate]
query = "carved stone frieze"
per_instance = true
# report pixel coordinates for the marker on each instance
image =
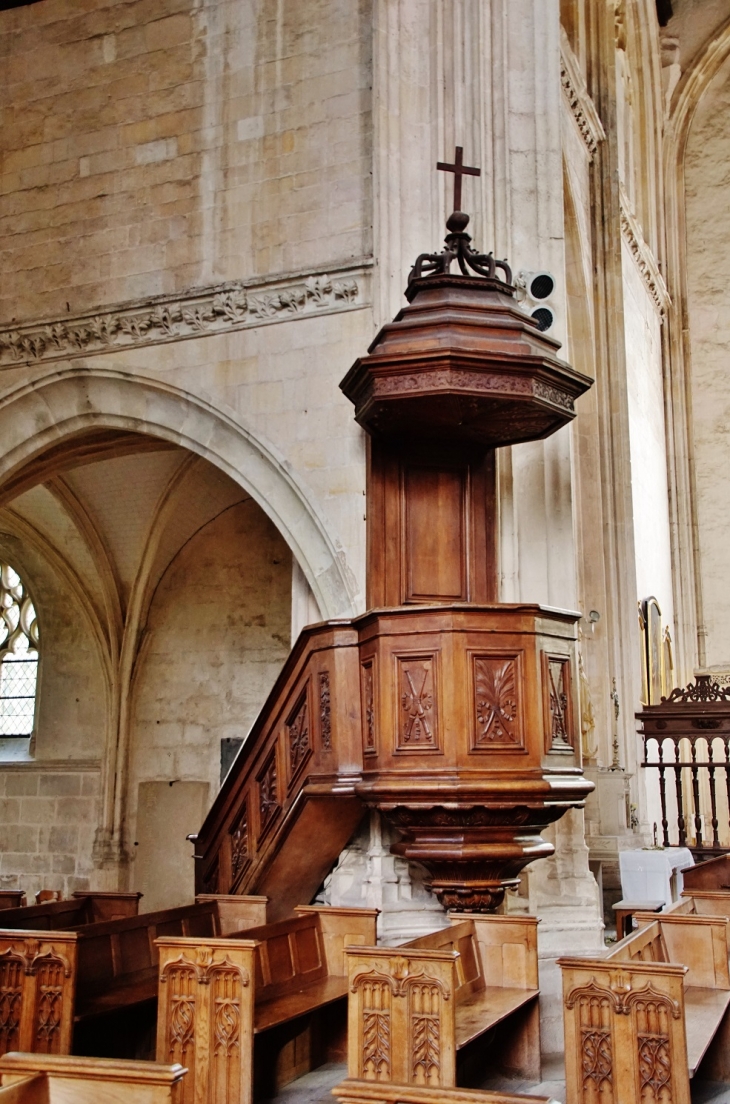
(196, 312)
(578, 99)
(643, 256)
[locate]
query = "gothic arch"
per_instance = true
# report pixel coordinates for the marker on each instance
(688, 599)
(38, 415)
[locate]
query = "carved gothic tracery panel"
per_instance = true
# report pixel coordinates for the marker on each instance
(424, 1019)
(497, 687)
(375, 1000)
(417, 713)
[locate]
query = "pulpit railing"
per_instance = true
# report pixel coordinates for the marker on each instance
(687, 743)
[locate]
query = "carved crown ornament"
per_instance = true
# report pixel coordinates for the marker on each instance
(197, 312)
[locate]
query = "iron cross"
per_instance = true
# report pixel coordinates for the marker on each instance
(459, 169)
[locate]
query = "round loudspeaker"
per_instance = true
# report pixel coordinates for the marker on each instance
(542, 285)
(543, 317)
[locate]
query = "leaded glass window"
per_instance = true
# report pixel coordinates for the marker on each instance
(18, 656)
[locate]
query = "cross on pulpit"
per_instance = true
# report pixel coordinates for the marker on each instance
(459, 169)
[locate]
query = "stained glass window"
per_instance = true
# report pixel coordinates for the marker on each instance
(18, 656)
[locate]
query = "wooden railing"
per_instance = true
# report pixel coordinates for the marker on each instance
(299, 765)
(687, 743)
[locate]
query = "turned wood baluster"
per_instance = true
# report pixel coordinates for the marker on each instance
(726, 741)
(680, 803)
(713, 792)
(663, 793)
(696, 794)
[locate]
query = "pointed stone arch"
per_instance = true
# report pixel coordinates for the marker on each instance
(37, 415)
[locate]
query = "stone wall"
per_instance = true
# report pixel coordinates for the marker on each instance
(166, 143)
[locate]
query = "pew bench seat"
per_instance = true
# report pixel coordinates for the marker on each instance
(704, 1010)
(415, 1010)
(272, 988)
(487, 1008)
(299, 1002)
(648, 1013)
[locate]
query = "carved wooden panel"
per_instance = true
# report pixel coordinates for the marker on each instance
(325, 711)
(37, 981)
(268, 790)
(424, 1029)
(298, 740)
(557, 692)
(211, 877)
(226, 987)
(497, 710)
(436, 533)
(594, 1010)
(376, 996)
(205, 1017)
(651, 1014)
(11, 1000)
(50, 971)
(369, 715)
(240, 847)
(417, 706)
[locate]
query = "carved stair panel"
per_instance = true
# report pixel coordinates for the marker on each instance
(288, 806)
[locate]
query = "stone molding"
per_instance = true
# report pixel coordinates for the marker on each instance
(51, 766)
(197, 312)
(579, 101)
(643, 256)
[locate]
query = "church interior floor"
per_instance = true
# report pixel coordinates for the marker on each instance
(316, 1087)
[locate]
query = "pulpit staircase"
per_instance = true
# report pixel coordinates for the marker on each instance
(451, 713)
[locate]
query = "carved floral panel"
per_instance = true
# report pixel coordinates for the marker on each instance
(325, 711)
(269, 804)
(240, 854)
(298, 742)
(497, 703)
(417, 712)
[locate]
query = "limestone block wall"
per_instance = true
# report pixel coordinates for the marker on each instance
(48, 819)
(161, 144)
(49, 791)
(708, 280)
(217, 633)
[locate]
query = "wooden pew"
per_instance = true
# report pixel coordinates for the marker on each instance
(376, 1092)
(270, 991)
(414, 1008)
(11, 898)
(80, 909)
(58, 979)
(52, 1079)
(639, 1021)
